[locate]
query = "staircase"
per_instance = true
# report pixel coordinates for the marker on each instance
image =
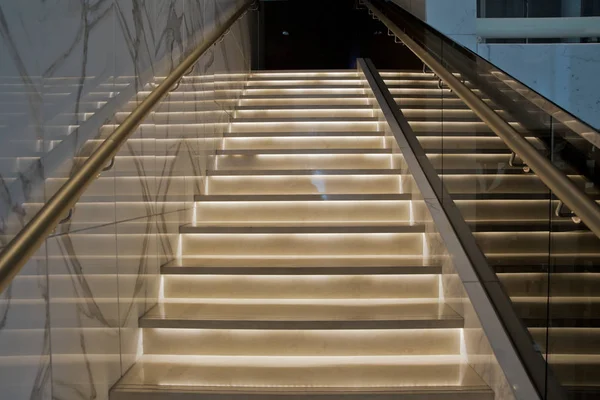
(306, 271)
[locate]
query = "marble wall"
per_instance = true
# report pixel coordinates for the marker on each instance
(69, 322)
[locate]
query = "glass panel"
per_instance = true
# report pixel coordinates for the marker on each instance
(546, 261)
(574, 311)
(507, 206)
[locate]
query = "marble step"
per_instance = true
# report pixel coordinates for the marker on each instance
(375, 245)
(342, 91)
(306, 74)
(309, 212)
(247, 164)
(300, 287)
(300, 94)
(304, 197)
(311, 314)
(567, 340)
(303, 184)
(538, 243)
(565, 312)
(298, 125)
(578, 373)
(321, 143)
(304, 266)
(309, 150)
(580, 285)
(562, 262)
(302, 228)
(364, 171)
(277, 81)
(444, 377)
(332, 343)
(284, 85)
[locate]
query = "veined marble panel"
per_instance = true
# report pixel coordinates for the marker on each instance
(78, 301)
(25, 370)
(84, 313)
(139, 280)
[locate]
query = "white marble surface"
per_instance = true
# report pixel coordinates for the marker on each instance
(79, 300)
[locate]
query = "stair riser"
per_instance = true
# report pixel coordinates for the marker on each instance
(317, 184)
(433, 114)
(306, 212)
(540, 284)
(301, 287)
(421, 394)
(323, 143)
(308, 126)
(301, 343)
(303, 162)
(387, 244)
(568, 340)
(538, 242)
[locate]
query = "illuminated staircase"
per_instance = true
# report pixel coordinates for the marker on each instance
(306, 273)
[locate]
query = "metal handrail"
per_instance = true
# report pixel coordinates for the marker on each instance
(513, 345)
(29, 239)
(580, 203)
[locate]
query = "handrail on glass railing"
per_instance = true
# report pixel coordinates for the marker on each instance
(29, 239)
(523, 365)
(565, 189)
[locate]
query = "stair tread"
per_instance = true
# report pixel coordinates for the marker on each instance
(304, 134)
(299, 261)
(301, 314)
(361, 171)
(311, 227)
(303, 197)
(306, 151)
(303, 265)
(303, 376)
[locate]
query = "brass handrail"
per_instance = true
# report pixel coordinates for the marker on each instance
(564, 188)
(29, 239)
